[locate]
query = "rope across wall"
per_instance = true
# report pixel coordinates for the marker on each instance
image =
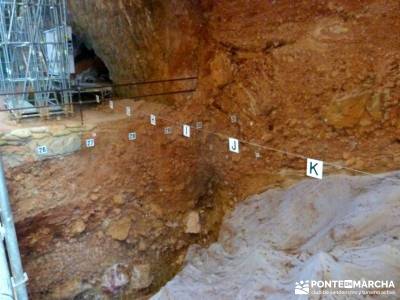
(221, 135)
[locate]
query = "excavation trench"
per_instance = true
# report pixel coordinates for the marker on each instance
(98, 213)
(116, 219)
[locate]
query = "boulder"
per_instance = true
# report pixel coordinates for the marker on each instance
(118, 199)
(346, 112)
(42, 129)
(115, 278)
(58, 145)
(193, 222)
(221, 71)
(141, 277)
(77, 227)
(18, 134)
(119, 229)
(69, 289)
(89, 294)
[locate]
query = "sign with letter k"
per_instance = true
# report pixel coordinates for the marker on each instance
(315, 168)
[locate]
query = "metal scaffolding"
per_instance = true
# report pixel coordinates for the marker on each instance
(10, 258)
(36, 57)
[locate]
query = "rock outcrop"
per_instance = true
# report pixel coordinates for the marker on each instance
(140, 39)
(20, 146)
(343, 228)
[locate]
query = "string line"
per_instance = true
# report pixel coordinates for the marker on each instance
(253, 144)
(288, 153)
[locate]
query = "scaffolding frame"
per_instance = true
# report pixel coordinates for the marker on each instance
(35, 57)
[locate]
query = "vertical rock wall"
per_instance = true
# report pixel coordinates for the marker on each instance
(140, 39)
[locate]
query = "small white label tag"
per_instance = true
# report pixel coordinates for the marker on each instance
(111, 104)
(128, 111)
(89, 143)
(167, 130)
(257, 155)
(315, 168)
(153, 120)
(132, 136)
(186, 130)
(97, 98)
(234, 145)
(233, 119)
(42, 150)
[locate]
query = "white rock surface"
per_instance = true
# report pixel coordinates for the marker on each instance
(336, 229)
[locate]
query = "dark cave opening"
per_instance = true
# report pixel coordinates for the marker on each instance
(89, 67)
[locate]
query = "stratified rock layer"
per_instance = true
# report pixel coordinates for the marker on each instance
(337, 229)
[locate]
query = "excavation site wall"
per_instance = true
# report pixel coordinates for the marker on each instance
(290, 79)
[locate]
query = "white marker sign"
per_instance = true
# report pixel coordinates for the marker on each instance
(97, 98)
(41, 150)
(89, 143)
(132, 136)
(153, 120)
(186, 130)
(167, 130)
(128, 111)
(111, 104)
(315, 168)
(234, 145)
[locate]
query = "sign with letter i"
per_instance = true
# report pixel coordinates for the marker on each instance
(153, 120)
(111, 103)
(234, 145)
(186, 130)
(315, 168)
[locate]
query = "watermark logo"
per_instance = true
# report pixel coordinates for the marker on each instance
(345, 287)
(302, 288)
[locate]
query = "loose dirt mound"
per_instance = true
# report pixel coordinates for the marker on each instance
(340, 228)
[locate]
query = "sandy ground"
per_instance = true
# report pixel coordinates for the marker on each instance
(337, 229)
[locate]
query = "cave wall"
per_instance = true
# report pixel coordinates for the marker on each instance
(140, 39)
(317, 78)
(293, 72)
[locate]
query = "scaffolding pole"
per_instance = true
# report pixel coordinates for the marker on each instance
(6, 291)
(19, 277)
